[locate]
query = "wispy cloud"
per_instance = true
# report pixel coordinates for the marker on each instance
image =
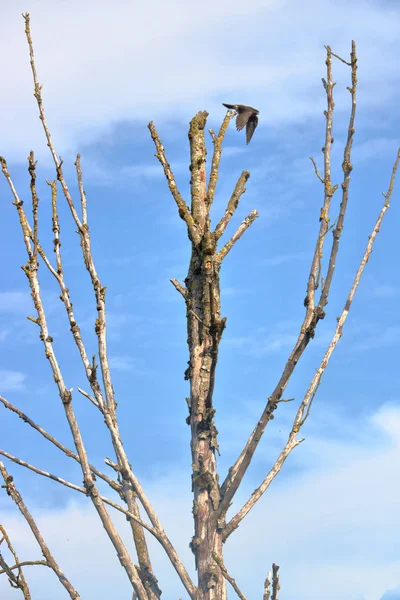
(279, 86)
(3, 334)
(392, 594)
(281, 259)
(261, 343)
(376, 147)
(102, 174)
(124, 363)
(380, 289)
(378, 336)
(15, 302)
(11, 381)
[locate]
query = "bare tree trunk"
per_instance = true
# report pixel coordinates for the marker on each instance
(203, 308)
(204, 333)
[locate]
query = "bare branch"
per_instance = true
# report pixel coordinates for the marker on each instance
(28, 563)
(100, 331)
(38, 96)
(232, 204)
(179, 287)
(17, 498)
(313, 314)
(275, 582)
(305, 405)
(339, 57)
(23, 463)
(267, 585)
(312, 389)
(129, 476)
(89, 397)
(236, 236)
(347, 168)
(109, 418)
(35, 202)
(258, 492)
(198, 186)
(66, 397)
(217, 141)
(59, 276)
(316, 170)
(146, 573)
(183, 209)
(113, 484)
(82, 230)
(19, 580)
(78, 488)
(81, 190)
(329, 190)
(230, 579)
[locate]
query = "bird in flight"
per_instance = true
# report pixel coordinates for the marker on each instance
(246, 115)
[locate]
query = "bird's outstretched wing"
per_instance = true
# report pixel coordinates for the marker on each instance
(251, 125)
(242, 118)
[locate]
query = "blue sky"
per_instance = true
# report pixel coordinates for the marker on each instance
(106, 73)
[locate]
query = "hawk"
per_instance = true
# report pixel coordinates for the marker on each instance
(246, 115)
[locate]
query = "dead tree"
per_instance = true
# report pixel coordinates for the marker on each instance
(205, 326)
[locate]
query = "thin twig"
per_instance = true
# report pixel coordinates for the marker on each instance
(340, 58)
(28, 563)
(347, 168)
(35, 202)
(38, 96)
(329, 190)
(113, 484)
(217, 141)
(179, 287)
(237, 235)
(81, 190)
(307, 331)
(83, 232)
(17, 498)
(65, 394)
(230, 579)
(89, 397)
(19, 580)
(183, 209)
(304, 407)
(232, 204)
(258, 492)
(77, 488)
(316, 170)
(110, 419)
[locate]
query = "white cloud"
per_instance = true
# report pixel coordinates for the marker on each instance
(134, 62)
(331, 526)
(11, 380)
